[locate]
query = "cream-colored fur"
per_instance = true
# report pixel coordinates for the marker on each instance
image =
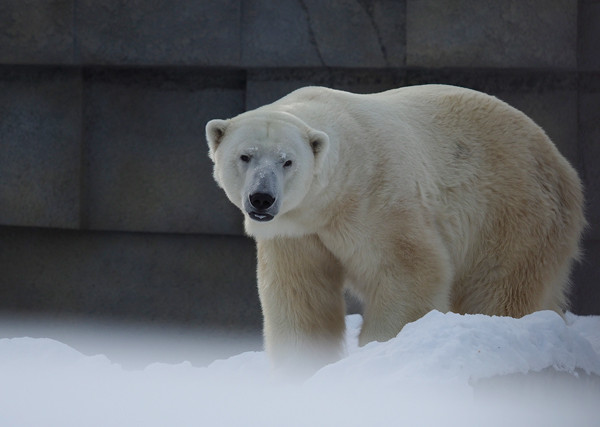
(420, 198)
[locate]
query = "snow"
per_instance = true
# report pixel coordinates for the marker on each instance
(444, 369)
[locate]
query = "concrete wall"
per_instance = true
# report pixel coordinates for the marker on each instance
(107, 203)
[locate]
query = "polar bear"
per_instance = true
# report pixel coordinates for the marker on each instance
(414, 199)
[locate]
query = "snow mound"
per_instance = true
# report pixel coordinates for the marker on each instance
(437, 371)
(459, 349)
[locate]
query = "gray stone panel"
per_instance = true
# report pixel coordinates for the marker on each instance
(585, 294)
(306, 33)
(276, 34)
(40, 152)
(148, 166)
(354, 33)
(389, 21)
(489, 33)
(589, 132)
(36, 32)
(201, 280)
(589, 35)
(159, 32)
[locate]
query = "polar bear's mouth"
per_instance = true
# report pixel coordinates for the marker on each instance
(262, 217)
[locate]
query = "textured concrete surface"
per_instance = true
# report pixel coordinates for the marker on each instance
(589, 28)
(307, 33)
(36, 32)
(159, 32)
(201, 280)
(148, 166)
(507, 34)
(589, 137)
(277, 34)
(585, 294)
(40, 147)
(351, 33)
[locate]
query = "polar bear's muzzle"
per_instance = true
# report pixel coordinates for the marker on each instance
(262, 201)
(261, 204)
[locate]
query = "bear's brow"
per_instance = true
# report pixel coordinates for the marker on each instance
(267, 122)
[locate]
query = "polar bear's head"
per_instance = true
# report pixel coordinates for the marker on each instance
(266, 163)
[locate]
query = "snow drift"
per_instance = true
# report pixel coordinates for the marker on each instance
(444, 369)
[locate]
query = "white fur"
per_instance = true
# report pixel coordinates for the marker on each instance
(419, 198)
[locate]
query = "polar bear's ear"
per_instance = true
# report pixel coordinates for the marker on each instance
(319, 143)
(215, 129)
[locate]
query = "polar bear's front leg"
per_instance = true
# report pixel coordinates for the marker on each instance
(300, 287)
(417, 279)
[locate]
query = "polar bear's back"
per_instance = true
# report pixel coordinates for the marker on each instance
(502, 197)
(428, 108)
(442, 123)
(450, 129)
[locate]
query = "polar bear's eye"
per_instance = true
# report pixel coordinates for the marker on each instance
(287, 164)
(244, 158)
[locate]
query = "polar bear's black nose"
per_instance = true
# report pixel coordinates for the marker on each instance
(261, 201)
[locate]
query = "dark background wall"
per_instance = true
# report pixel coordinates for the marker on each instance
(107, 203)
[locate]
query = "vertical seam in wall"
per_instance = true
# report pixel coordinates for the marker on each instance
(74, 29)
(578, 49)
(240, 34)
(83, 158)
(83, 169)
(404, 60)
(240, 64)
